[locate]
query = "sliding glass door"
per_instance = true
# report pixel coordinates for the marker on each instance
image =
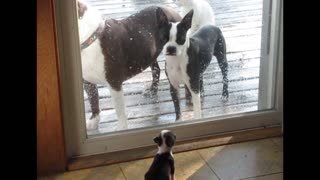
(253, 36)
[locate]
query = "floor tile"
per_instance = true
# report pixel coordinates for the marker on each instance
(278, 176)
(244, 160)
(279, 142)
(254, 160)
(103, 172)
(135, 170)
(190, 165)
(204, 173)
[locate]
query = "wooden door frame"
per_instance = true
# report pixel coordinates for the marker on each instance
(51, 156)
(51, 152)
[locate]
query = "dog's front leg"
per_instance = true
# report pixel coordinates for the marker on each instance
(196, 105)
(201, 86)
(188, 95)
(93, 96)
(194, 88)
(174, 91)
(201, 90)
(118, 103)
(155, 78)
(155, 70)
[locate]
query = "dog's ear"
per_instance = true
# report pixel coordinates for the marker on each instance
(81, 9)
(161, 17)
(163, 26)
(187, 20)
(170, 139)
(158, 140)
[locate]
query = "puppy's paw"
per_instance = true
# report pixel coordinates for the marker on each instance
(93, 123)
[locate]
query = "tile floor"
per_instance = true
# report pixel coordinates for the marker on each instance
(254, 160)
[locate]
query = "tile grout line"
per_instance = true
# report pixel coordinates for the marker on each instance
(262, 175)
(122, 171)
(208, 165)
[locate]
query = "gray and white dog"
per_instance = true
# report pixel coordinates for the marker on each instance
(188, 57)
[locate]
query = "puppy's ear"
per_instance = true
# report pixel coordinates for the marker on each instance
(161, 17)
(81, 9)
(187, 20)
(170, 139)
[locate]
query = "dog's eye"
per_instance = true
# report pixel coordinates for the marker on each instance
(181, 34)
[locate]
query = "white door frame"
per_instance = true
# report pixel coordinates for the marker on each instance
(77, 143)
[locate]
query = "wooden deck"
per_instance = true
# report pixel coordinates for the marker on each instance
(240, 21)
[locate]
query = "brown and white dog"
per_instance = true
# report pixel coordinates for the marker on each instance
(112, 51)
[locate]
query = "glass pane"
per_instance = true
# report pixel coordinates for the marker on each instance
(120, 47)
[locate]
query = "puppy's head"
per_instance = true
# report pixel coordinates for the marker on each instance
(165, 140)
(178, 35)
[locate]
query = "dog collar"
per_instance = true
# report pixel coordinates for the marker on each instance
(92, 38)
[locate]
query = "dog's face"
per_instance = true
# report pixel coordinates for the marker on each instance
(178, 35)
(165, 140)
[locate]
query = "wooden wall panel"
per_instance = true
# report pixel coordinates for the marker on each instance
(50, 140)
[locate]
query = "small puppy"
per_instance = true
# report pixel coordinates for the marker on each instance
(162, 167)
(187, 59)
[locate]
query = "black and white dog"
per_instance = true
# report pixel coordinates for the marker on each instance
(188, 57)
(113, 51)
(162, 167)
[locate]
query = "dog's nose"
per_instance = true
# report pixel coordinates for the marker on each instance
(171, 50)
(156, 140)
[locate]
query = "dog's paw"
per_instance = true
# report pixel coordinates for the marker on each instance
(224, 98)
(93, 123)
(189, 102)
(196, 115)
(122, 126)
(149, 93)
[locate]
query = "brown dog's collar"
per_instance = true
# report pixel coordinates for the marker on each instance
(92, 38)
